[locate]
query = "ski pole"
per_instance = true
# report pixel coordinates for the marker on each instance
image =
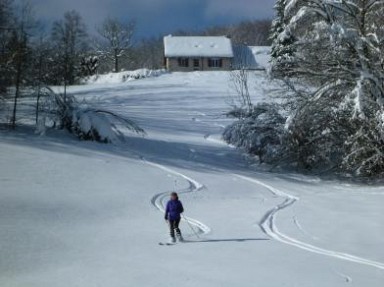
(190, 226)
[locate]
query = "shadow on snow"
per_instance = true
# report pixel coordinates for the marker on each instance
(225, 240)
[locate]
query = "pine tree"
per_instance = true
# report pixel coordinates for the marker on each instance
(337, 122)
(340, 53)
(283, 50)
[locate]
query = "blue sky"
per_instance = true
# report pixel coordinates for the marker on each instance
(156, 17)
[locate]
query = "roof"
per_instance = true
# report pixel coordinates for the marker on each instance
(194, 46)
(251, 57)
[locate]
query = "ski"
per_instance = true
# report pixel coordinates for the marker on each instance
(172, 243)
(166, 243)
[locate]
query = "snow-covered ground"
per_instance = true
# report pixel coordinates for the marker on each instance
(87, 214)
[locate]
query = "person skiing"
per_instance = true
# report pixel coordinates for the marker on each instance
(173, 213)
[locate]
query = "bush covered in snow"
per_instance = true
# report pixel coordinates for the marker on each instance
(85, 121)
(318, 136)
(99, 125)
(258, 131)
(121, 77)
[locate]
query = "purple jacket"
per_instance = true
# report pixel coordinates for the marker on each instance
(173, 210)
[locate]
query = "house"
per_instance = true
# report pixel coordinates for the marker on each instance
(198, 53)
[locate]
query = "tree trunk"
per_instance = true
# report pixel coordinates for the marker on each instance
(17, 86)
(116, 56)
(39, 88)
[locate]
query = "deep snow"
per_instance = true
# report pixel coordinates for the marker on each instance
(86, 214)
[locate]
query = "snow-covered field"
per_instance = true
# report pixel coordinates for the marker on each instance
(87, 214)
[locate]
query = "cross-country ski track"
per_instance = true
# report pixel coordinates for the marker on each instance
(267, 223)
(269, 227)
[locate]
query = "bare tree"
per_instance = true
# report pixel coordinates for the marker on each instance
(69, 38)
(40, 70)
(116, 39)
(149, 53)
(19, 46)
(6, 27)
(239, 81)
(253, 33)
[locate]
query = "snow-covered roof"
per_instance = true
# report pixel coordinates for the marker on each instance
(251, 57)
(194, 46)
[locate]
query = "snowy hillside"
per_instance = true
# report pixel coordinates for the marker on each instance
(87, 214)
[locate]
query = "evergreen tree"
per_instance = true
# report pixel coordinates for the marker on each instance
(337, 122)
(283, 40)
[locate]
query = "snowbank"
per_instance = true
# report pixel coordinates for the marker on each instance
(116, 78)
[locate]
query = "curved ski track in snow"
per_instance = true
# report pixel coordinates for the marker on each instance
(268, 226)
(158, 199)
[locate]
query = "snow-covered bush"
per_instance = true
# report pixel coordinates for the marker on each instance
(89, 65)
(85, 121)
(100, 125)
(121, 77)
(258, 132)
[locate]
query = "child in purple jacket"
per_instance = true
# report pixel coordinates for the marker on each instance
(173, 216)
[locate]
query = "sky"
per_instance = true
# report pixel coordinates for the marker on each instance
(158, 17)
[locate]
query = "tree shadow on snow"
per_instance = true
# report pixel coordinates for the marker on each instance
(195, 157)
(239, 240)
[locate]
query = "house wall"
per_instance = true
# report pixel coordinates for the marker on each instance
(172, 65)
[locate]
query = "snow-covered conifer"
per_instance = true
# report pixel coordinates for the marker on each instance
(283, 39)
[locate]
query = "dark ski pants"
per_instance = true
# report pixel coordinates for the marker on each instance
(174, 226)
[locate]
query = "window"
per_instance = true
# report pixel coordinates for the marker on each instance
(183, 62)
(215, 63)
(196, 63)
